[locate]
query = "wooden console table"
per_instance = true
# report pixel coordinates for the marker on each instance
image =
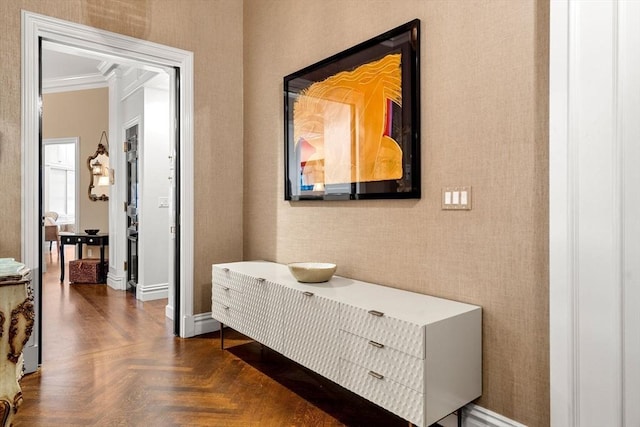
(17, 317)
(80, 239)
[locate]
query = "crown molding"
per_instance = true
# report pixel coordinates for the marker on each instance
(72, 83)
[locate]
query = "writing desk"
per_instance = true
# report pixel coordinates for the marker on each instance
(80, 239)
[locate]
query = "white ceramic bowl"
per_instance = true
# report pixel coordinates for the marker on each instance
(312, 272)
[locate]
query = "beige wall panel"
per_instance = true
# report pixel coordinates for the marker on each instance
(85, 114)
(484, 102)
(210, 29)
(10, 148)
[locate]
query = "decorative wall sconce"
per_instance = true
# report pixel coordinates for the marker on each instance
(98, 165)
(97, 168)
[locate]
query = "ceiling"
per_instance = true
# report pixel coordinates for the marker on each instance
(66, 68)
(57, 65)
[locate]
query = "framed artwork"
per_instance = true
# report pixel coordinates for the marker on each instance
(352, 122)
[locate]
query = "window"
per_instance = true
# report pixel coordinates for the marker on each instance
(60, 178)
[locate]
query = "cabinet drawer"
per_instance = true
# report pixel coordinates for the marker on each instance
(229, 278)
(72, 239)
(376, 326)
(383, 391)
(378, 357)
(225, 295)
(256, 300)
(228, 315)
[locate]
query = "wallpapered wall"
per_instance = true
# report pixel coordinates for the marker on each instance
(210, 29)
(484, 124)
(85, 114)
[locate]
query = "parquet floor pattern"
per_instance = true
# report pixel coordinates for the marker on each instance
(110, 360)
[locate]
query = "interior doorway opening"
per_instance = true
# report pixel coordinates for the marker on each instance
(133, 204)
(38, 29)
(87, 93)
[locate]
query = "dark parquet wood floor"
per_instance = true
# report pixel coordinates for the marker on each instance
(110, 360)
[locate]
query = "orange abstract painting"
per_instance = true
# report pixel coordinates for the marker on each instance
(352, 122)
(343, 125)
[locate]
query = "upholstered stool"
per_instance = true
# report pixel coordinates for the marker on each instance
(87, 270)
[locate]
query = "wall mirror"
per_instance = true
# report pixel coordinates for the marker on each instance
(99, 181)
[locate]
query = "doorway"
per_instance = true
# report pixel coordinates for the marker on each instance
(38, 28)
(133, 99)
(133, 197)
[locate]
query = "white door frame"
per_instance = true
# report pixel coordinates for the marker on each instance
(36, 27)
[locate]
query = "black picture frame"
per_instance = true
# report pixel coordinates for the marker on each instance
(352, 131)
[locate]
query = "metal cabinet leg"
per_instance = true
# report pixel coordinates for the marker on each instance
(221, 336)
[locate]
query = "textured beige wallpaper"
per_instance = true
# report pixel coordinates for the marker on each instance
(83, 114)
(210, 29)
(484, 123)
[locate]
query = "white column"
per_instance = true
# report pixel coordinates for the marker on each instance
(629, 134)
(594, 211)
(117, 276)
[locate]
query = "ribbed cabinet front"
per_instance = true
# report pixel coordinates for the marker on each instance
(311, 335)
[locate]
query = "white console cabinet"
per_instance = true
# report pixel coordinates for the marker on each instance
(417, 356)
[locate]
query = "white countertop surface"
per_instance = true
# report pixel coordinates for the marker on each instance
(409, 306)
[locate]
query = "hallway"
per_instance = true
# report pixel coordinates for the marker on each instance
(110, 360)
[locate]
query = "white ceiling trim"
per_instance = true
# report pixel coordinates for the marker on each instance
(71, 83)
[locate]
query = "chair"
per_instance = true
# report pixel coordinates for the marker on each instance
(51, 229)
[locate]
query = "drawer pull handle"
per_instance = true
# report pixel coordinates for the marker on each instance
(226, 307)
(376, 375)
(376, 344)
(261, 280)
(225, 289)
(307, 294)
(226, 270)
(376, 313)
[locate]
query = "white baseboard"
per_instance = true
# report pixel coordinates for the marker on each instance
(116, 282)
(168, 311)
(204, 323)
(152, 292)
(477, 416)
(30, 359)
(20, 367)
(199, 324)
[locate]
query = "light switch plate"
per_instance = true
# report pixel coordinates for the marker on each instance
(456, 198)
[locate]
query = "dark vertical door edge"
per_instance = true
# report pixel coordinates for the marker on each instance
(177, 220)
(40, 208)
